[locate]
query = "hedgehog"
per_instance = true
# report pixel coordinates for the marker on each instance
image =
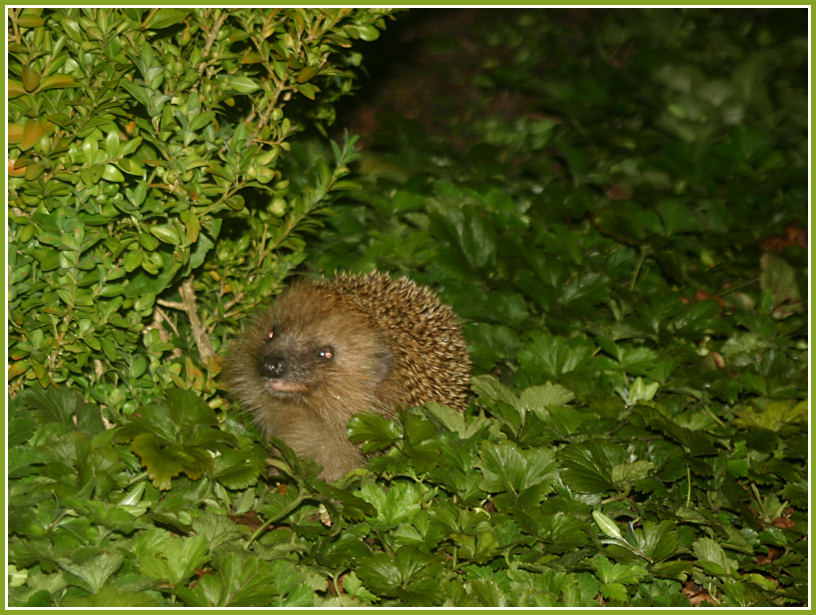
(330, 349)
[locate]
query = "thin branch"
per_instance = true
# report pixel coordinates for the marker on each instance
(210, 40)
(173, 305)
(160, 316)
(202, 340)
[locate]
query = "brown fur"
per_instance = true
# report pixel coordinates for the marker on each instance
(385, 344)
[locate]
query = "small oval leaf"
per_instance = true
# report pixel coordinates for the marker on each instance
(306, 74)
(15, 88)
(606, 524)
(31, 78)
(33, 131)
(57, 81)
(244, 85)
(112, 174)
(167, 233)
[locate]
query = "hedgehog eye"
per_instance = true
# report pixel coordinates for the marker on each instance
(327, 353)
(273, 331)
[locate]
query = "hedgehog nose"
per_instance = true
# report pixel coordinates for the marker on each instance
(272, 367)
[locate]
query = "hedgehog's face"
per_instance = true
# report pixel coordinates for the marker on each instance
(320, 352)
(291, 365)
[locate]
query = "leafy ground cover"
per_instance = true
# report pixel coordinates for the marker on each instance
(617, 212)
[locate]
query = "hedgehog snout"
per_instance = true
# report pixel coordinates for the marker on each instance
(272, 366)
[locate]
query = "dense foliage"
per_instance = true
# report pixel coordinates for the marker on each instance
(147, 159)
(616, 213)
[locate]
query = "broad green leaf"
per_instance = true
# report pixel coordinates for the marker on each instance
(175, 436)
(63, 407)
(765, 583)
(489, 386)
(92, 568)
(614, 591)
(636, 360)
(544, 396)
(110, 596)
(380, 574)
(169, 558)
(108, 515)
(711, 556)
(278, 503)
(398, 503)
(236, 469)
(626, 474)
(376, 431)
(346, 548)
(507, 468)
(353, 507)
(677, 217)
(588, 466)
(353, 585)
(566, 420)
(657, 540)
(19, 429)
(779, 278)
(463, 425)
(774, 416)
(143, 285)
(556, 355)
(241, 579)
(608, 572)
(165, 461)
(412, 576)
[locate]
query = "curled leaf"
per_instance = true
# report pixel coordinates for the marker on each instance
(607, 526)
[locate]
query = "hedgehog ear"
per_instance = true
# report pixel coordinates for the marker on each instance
(383, 360)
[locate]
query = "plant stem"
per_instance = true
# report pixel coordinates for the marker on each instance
(295, 503)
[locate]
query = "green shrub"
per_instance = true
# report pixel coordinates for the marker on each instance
(150, 199)
(624, 244)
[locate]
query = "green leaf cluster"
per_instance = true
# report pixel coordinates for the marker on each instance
(94, 520)
(147, 151)
(620, 251)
